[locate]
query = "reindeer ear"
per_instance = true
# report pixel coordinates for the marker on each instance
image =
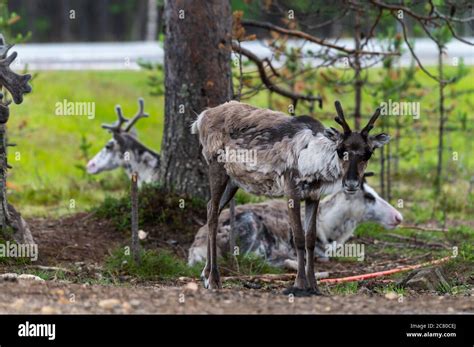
(379, 140)
(332, 134)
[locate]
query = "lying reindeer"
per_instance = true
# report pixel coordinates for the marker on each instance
(124, 150)
(264, 228)
(296, 157)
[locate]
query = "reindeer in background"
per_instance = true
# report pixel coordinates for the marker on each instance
(296, 157)
(264, 229)
(124, 150)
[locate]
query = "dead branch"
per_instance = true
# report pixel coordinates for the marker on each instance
(267, 81)
(50, 268)
(418, 241)
(308, 37)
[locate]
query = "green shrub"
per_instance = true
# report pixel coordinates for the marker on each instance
(153, 264)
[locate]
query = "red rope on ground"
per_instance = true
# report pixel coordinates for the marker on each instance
(382, 273)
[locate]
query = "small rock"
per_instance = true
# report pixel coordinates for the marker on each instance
(142, 235)
(17, 304)
(135, 302)
(57, 291)
(391, 296)
(63, 301)
(109, 304)
(430, 279)
(365, 291)
(126, 306)
(29, 277)
(10, 277)
(49, 310)
(191, 287)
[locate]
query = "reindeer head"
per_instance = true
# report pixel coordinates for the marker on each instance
(354, 149)
(375, 208)
(114, 153)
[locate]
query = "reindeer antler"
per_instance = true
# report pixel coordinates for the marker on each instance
(117, 126)
(365, 132)
(341, 120)
(16, 84)
(140, 114)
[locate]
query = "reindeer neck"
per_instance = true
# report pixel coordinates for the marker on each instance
(340, 214)
(143, 161)
(319, 167)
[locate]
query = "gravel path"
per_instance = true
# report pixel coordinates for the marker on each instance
(52, 297)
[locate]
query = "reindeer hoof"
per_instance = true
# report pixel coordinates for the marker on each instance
(213, 283)
(302, 292)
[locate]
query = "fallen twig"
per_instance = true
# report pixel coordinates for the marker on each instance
(383, 273)
(49, 268)
(414, 239)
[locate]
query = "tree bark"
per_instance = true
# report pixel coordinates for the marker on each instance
(197, 75)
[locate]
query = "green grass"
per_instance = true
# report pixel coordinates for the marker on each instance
(153, 264)
(247, 265)
(346, 288)
(46, 176)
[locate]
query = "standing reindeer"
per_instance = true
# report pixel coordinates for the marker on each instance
(296, 157)
(124, 150)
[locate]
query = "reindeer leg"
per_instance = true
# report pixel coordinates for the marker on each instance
(229, 192)
(311, 211)
(294, 206)
(218, 179)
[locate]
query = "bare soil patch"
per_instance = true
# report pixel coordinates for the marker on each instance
(84, 238)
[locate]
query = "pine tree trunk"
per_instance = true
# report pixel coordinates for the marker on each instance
(197, 75)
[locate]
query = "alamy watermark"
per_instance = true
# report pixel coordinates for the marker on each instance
(16, 250)
(75, 108)
(400, 108)
(229, 155)
(28, 329)
(347, 250)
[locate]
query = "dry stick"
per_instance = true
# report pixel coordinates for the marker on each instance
(383, 273)
(50, 268)
(268, 82)
(272, 277)
(414, 239)
(232, 236)
(308, 37)
(134, 197)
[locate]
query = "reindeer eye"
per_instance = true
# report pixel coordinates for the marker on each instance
(367, 155)
(369, 197)
(109, 146)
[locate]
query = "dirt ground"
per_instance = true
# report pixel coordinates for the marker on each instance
(82, 240)
(54, 297)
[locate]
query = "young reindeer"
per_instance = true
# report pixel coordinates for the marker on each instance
(124, 150)
(296, 157)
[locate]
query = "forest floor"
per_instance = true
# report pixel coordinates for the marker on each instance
(73, 250)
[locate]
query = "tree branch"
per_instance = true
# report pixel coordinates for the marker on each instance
(267, 81)
(308, 37)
